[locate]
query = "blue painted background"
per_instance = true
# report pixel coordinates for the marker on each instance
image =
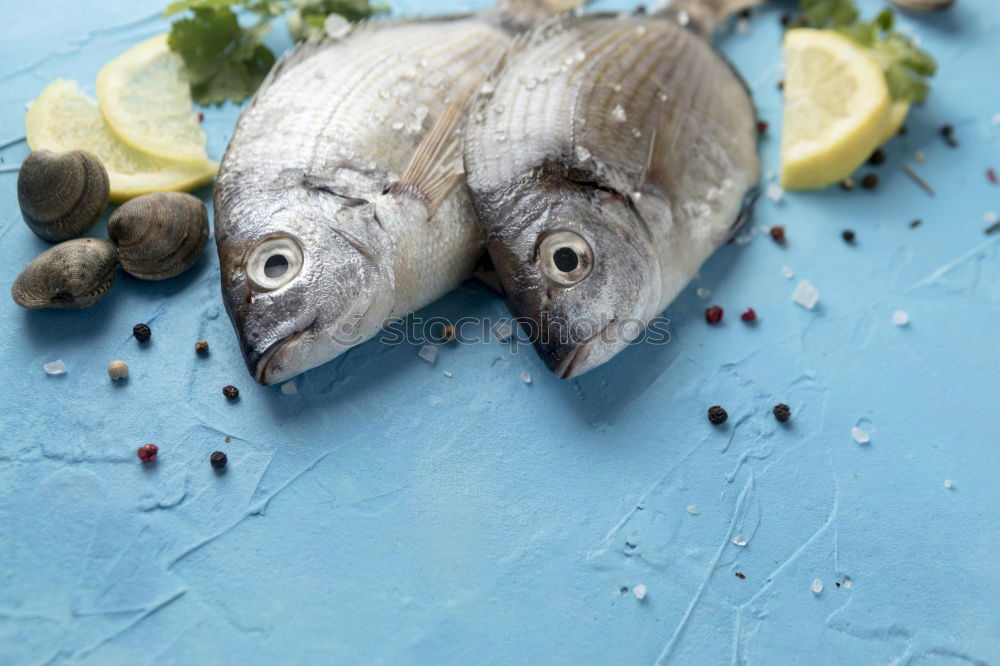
(390, 514)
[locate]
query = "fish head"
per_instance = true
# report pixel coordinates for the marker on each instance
(579, 272)
(300, 282)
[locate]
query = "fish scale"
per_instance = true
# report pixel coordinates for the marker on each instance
(637, 159)
(312, 188)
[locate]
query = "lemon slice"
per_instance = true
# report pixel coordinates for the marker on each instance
(63, 118)
(837, 108)
(146, 100)
(897, 116)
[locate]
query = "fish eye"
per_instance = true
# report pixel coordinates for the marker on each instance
(565, 257)
(274, 262)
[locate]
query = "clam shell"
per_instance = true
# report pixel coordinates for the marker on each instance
(159, 235)
(62, 194)
(70, 276)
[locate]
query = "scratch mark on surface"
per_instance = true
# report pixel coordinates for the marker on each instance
(741, 504)
(150, 611)
(80, 42)
(7, 143)
(944, 269)
(253, 510)
(637, 507)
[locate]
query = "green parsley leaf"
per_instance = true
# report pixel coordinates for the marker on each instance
(906, 65)
(224, 60)
(183, 5)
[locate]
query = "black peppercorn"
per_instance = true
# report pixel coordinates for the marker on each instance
(948, 132)
(782, 412)
(201, 346)
(218, 460)
(786, 18)
(848, 235)
(916, 223)
(870, 181)
(877, 158)
(141, 332)
(231, 392)
(717, 415)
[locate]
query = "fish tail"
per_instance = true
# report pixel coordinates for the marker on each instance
(706, 16)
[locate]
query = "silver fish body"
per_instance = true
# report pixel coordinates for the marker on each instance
(613, 157)
(319, 242)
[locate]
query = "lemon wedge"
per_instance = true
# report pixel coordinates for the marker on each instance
(837, 108)
(63, 118)
(146, 100)
(897, 116)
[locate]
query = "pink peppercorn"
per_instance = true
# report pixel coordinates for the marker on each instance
(147, 452)
(713, 315)
(749, 315)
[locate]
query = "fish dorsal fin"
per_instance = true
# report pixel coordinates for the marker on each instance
(432, 173)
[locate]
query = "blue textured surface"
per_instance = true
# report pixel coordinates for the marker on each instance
(390, 514)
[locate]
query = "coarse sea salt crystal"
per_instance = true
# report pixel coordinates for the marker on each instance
(774, 192)
(502, 330)
(787, 272)
(336, 26)
(289, 388)
(747, 236)
(448, 374)
(639, 591)
(703, 293)
(693, 510)
(740, 540)
(55, 368)
(618, 113)
(806, 295)
(848, 582)
(900, 318)
(817, 586)
(429, 353)
(860, 436)
(525, 377)
(991, 216)
(947, 483)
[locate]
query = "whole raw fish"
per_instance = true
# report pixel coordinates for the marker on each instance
(340, 202)
(614, 155)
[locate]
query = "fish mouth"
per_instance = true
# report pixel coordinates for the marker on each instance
(272, 368)
(569, 366)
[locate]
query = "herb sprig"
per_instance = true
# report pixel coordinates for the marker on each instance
(906, 65)
(226, 60)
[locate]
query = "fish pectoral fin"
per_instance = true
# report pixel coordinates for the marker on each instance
(746, 211)
(435, 167)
